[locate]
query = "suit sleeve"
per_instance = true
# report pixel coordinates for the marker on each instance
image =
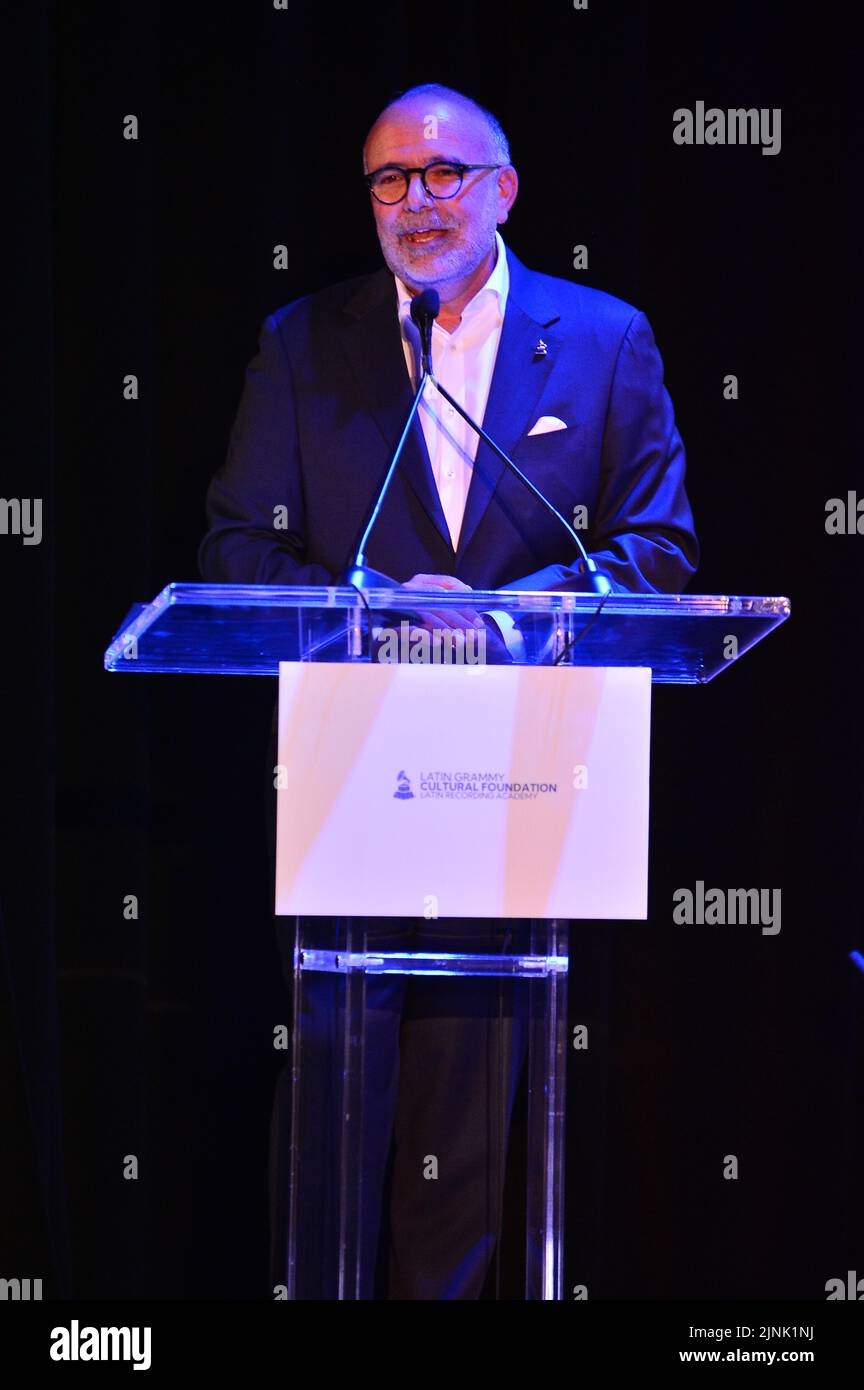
(642, 532)
(255, 510)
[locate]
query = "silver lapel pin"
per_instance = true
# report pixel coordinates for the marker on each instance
(541, 349)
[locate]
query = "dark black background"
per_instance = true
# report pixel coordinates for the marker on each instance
(154, 1037)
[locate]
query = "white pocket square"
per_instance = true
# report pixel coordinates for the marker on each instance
(546, 424)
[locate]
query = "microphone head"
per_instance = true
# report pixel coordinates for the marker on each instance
(425, 306)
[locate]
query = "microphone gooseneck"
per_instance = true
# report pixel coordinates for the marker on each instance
(425, 308)
(424, 311)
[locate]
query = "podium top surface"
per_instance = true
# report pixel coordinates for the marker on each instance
(247, 629)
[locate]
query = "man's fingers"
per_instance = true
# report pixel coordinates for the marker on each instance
(459, 618)
(435, 581)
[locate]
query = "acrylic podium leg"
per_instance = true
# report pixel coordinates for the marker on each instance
(340, 1123)
(350, 984)
(547, 1061)
(323, 1089)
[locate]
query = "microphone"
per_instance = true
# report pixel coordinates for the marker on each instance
(425, 308)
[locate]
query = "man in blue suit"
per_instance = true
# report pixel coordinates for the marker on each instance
(566, 379)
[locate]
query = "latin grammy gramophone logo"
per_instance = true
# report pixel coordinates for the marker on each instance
(403, 790)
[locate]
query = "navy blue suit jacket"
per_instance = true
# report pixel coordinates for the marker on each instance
(326, 398)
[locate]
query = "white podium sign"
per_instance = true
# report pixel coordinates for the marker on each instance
(462, 791)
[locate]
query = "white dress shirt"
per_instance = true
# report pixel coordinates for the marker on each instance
(463, 361)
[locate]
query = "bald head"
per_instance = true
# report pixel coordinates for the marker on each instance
(435, 105)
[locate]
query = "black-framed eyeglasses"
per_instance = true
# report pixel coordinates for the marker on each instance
(441, 179)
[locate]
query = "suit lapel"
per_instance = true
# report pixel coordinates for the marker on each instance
(373, 344)
(518, 381)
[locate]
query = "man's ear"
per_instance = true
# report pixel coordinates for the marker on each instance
(508, 188)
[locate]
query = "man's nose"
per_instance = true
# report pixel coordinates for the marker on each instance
(416, 198)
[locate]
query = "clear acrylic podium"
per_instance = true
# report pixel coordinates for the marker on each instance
(345, 967)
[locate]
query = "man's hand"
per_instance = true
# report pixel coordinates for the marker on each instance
(458, 618)
(435, 581)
